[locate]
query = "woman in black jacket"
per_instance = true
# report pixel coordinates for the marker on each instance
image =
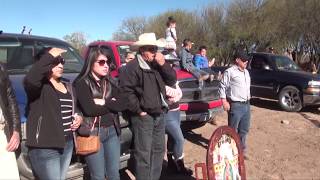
(51, 116)
(97, 93)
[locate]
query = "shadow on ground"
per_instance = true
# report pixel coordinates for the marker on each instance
(195, 138)
(265, 103)
(165, 174)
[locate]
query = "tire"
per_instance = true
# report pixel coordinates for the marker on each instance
(290, 99)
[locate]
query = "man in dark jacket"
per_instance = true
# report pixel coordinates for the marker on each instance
(143, 81)
(9, 128)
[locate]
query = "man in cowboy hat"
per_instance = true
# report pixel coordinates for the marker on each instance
(143, 82)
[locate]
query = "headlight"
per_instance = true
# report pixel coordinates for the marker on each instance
(314, 83)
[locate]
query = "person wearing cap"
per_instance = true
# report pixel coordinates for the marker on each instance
(143, 83)
(187, 62)
(9, 128)
(234, 92)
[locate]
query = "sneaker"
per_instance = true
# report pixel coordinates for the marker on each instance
(201, 84)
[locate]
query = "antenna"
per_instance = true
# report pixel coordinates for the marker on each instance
(30, 31)
(23, 29)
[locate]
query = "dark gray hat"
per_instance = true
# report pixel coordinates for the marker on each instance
(242, 55)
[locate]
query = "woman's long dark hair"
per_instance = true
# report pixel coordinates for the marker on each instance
(93, 55)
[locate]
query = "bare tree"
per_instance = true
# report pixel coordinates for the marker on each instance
(130, 29)
(77, 39)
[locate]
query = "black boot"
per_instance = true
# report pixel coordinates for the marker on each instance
(181, 169)
(171, 167)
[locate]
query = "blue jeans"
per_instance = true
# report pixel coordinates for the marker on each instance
(51, 163)
(149, 146)
(175, 136)
(105, 162)
(239, 119)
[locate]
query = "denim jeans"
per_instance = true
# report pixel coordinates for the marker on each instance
(105, 162)
(197, 72)
(175, 136)
(239, 119)
(51, 163)
(149, 146)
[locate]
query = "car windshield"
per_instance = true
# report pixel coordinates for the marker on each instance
(18, 57)
(284, 63)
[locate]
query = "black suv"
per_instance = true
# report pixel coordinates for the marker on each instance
(16, 53)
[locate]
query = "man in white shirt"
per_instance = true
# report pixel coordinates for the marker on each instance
(235, 94)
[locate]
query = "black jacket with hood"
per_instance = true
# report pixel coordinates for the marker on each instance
(144, 85)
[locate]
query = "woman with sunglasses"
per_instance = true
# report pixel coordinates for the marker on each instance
(52, 116)
(98, 97)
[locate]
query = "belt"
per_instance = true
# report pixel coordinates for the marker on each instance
(242, 102)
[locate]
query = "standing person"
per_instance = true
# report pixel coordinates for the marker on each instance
(143, 82)
(175, 141)
(187, 62)
(98, 96)
(51, 102)
(235, 94)
(288, 53)
(201, 61)
(9, 128)
(171, 33)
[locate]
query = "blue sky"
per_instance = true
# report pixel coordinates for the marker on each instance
(98, 19)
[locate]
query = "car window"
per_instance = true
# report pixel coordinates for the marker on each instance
(258, 62)
(73, 61)
(284, 63)
(18, 57)
(123, 50)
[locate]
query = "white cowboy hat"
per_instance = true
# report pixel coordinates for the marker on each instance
(148, 39)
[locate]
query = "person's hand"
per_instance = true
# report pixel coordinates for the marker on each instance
(99, 101)
(226, 105)
(76, 122)
(14, 142)
(56, 51)
(211, 63)
(143, 114)
(159, 58)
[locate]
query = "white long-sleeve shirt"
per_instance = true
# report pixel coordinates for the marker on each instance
(235, 84)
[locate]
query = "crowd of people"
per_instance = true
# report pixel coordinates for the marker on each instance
(147, 92)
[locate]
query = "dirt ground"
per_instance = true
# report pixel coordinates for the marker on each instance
(277, 150)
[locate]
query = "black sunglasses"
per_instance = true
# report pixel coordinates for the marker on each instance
(102, 62)
(58, 60)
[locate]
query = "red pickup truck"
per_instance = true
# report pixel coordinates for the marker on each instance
(198, 105)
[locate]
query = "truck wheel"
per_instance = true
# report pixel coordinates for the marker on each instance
(290, 99)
